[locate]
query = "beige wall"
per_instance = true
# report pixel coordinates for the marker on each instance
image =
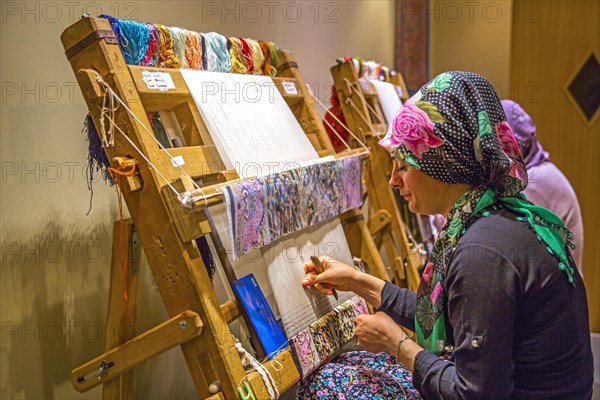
(55, 259)
(471, 36)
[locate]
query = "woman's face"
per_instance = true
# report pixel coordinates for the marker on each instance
(424, 194)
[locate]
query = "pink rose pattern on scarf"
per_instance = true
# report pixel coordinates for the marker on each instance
(413, 128)
(507, 139)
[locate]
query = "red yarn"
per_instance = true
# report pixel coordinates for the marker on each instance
(331, 122)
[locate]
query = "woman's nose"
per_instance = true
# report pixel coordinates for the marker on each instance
(395, 180)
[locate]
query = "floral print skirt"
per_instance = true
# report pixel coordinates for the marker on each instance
(359, 375)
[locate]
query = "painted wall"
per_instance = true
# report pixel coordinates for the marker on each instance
(471, 36)
(55, 258)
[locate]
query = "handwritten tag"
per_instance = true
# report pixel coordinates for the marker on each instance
(158, 80)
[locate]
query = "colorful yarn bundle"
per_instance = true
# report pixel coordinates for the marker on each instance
(166, 56)
(370, 69)
(97, 159)
(239, 64)
(312, 346)
(179, 44)
(333, 120)
(194, 50)
(134, 40)
(219, 58)
(151, 55)
(156, 45)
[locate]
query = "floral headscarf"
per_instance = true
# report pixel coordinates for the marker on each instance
(454, 130)
(524, 129)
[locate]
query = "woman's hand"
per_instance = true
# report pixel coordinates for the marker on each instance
(336, 275)
(378, 332)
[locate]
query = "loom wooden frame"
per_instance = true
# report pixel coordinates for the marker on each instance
(198, 324)
(386, 222)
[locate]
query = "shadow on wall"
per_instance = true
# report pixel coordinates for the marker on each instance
(54, 293)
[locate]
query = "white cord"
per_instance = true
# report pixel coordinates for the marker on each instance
(319, 102)
(249, 361)
(186, 199)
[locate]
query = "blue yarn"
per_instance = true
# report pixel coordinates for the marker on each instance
(114, 24)
(97, 158)
(218, 44)
(204, 55)
(134, 40)
(206, 255)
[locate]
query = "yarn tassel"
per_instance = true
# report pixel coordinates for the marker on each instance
(179, 45)
(97, 158)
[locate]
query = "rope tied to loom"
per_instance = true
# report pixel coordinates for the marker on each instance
(125, 169)
(249, 361)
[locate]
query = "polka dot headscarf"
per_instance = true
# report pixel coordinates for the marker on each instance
(454, 130)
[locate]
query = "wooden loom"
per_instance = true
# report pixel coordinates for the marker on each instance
(359, 100)
(197, 322)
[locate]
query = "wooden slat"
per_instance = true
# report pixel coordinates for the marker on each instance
(165, 336)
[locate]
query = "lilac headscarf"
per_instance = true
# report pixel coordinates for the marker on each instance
(524, 131)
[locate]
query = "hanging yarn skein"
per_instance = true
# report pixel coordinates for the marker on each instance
(218, 44)
(257, 55)
(166, 57)
(179, 36)
(151, 55)
(134, 40)
(193, 50)
(238, 62)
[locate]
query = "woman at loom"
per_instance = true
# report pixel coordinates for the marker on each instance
(501, 310)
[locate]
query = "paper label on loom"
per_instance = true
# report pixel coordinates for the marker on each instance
(289, 87)
(158, 80)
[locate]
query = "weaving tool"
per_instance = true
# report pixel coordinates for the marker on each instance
(320, 269)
